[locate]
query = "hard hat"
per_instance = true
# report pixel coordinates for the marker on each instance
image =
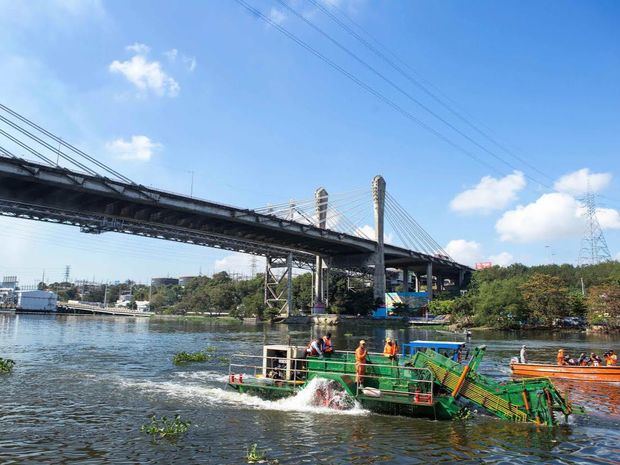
(362, 341)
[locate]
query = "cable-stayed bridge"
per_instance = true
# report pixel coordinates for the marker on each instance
(67, 186)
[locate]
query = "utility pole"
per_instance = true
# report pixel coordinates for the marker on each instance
(583, 288)
(105, 296)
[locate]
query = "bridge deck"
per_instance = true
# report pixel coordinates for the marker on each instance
(97, 204)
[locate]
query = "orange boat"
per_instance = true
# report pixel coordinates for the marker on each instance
(607, 374)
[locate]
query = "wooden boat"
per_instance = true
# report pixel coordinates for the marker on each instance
(608, 374)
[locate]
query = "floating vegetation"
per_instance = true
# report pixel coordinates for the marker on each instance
(187, 357)
(464, 414)
(211, 349)
(165, 427)
(6, 365)
(348, 335)
(223, 359)
(257, 456)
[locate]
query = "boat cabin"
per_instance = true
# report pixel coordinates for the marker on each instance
(453, 350)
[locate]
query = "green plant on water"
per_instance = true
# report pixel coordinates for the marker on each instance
(223, 359)
(211, 349)
(464, 414)
(186, 357)
(256, 456)
(165, 427)
(6, 365)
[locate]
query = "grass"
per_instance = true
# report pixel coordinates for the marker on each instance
(187, 357)
(6, 365)
(165, 428)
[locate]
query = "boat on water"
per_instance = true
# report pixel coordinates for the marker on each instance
(422, 383)
(609, 374)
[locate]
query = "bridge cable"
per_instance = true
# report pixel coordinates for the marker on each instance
(413, 80)
(67, 145)
(400, 89)
(365, 86)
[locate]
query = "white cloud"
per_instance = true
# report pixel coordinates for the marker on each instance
(239, 263)
(171, 54)
(489, 194)
(551, 216)
(189, 62)
(608, 218)
(502, 259)
(144, 74)
(277, 16)
(139, 148)
(466, 252)
(369, 232)
(576, 183)
(138, 48)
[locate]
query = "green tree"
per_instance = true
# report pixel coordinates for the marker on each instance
(546, 298)
(603, 305)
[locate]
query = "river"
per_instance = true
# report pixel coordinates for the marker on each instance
(83, 386)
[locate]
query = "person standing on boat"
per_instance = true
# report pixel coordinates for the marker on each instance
(360, 362)
(611, 359)
(523, 354)
(328, 347)
(391, 349)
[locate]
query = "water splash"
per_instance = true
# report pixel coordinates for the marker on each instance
(318, 396)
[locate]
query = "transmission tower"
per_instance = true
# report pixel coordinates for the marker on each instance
(253, 266)
(67, 273)
(593, 245)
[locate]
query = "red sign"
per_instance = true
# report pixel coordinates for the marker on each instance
(483, 265)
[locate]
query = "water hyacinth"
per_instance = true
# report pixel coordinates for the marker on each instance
(187, 357)
(6, 365)
(165, 427)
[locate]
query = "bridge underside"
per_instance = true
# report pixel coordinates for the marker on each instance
(97, 204)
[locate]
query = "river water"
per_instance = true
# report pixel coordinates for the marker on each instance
(83, 386)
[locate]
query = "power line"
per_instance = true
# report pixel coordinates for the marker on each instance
(364, 85)
(400, 89)
(413, 80)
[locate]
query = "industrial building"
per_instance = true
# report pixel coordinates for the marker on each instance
(36, 301)
(157, 282)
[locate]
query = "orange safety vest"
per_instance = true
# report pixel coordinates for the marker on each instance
(612, 360)
(360, 355)
(390, 349)
(327, 344)
(561, 358)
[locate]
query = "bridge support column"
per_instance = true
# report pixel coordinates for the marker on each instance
(406, 279)
(461, 281)
(318, 292)
(279, 284)
(378, 196)
(429, 280)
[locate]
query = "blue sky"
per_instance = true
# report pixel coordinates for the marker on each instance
(159, 89)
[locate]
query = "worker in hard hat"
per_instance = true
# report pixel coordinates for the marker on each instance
(360, 362)
(390, 349)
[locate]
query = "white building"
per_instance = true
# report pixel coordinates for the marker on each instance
(37, 301)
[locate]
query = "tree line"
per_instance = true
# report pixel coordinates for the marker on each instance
(518, 296)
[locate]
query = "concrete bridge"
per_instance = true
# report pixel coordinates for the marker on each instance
(99, 203)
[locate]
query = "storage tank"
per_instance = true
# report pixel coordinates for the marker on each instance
(37, 301)
(156, 282)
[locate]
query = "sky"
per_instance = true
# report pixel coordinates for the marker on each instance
(489, 129)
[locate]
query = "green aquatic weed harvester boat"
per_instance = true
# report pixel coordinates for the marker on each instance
(424, 383)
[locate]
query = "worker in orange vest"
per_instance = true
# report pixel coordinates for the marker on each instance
(360, 362)
(611, 359)
(561, 360)
(391, 349)
(328, 347)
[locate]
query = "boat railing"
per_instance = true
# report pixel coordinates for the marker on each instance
(294, 372)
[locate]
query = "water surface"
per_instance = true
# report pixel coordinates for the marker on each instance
(84, 385)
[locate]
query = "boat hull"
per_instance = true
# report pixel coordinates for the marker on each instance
(588, 373)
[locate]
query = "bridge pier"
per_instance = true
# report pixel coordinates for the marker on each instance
(279, 284)
(429, 281)
(378, 197)
(405, 279)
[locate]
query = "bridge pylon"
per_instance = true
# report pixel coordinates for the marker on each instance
(319, 298)
(378, 198)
